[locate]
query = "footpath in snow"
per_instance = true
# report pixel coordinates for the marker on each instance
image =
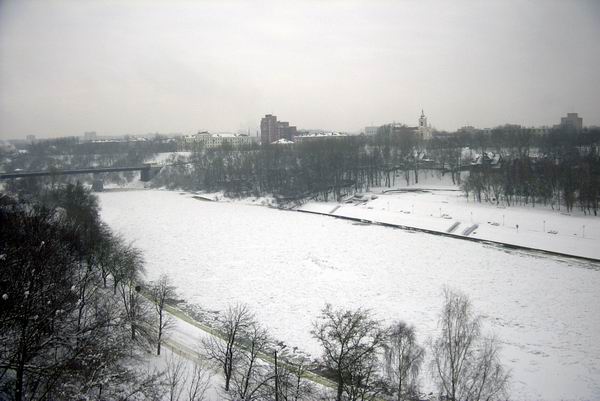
(447, 212)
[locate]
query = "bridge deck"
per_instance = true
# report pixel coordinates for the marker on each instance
(20, 174)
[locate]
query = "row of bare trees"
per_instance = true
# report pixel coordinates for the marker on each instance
(364, 359)
(368, 361)
(332, 168)
(572, 180)
(252, 365)
(325, 168)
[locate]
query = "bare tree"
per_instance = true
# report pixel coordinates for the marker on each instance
(489, 379)
(291, 384)
(363, 382)
(136, 311)
(250, 376)
(175, 376)
(107, 251)
(349, 340)
(199, 379)
(122, 258)
(402, 360)
(224, 352)
(160, 292)
(466, 365)
(146, 384)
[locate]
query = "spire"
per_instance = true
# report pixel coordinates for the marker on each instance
(422, 113)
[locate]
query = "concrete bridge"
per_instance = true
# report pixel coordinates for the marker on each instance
(147, 170)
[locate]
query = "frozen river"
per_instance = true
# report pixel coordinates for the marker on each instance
(287, 265)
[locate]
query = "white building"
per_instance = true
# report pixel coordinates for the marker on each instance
(371, 130)
(210, 141)
(423, 129)
(90, 136)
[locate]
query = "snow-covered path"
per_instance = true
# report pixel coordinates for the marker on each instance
(286, 265)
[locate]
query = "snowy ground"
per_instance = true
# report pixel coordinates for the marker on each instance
(446, 210)
(182, 343)
(287, 265)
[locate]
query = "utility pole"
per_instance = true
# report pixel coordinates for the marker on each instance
(281, 348)
(276, 379)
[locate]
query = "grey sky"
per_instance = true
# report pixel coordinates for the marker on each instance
(135, 67)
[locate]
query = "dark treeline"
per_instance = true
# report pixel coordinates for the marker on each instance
(63, 153)
(571, 180)
(558, 168)
(324, 168)
(76, 146)
(72, 324)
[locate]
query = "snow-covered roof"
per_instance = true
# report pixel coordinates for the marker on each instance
(281, 141)
(321, 134)
(487, 158)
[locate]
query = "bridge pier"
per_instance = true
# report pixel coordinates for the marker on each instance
(97, 185)
(149, 172)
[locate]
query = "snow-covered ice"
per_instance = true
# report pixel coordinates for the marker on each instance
(286, 265)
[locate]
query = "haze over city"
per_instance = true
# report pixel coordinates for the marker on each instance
(144, 66)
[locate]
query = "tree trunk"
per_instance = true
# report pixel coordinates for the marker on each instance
(19, 382)
(160, 327)
(276, 379)
(340, 387)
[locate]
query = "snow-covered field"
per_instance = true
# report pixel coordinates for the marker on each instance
(286, 265)
(446, 210)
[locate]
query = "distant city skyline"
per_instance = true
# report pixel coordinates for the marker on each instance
(256, 132)
(134, 67)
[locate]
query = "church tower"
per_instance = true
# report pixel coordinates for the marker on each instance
(422, 120)
(424, 129)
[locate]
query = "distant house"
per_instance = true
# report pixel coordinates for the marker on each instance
(488, 159)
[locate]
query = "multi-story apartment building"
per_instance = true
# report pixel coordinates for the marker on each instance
(272, 130)
(571, 122)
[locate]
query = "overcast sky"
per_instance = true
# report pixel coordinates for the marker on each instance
(134, 67)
